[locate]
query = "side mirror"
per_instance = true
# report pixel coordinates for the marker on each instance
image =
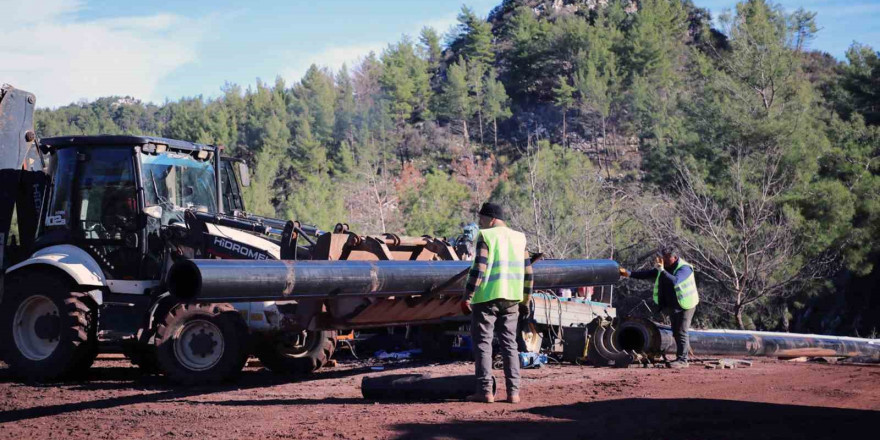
(244, 174)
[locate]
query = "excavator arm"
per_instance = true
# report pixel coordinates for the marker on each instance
(21, 173)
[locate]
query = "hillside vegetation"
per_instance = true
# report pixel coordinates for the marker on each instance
(604, 126)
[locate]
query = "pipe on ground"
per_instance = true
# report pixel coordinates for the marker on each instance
(644, 336)
(276, 280)
(407, 387)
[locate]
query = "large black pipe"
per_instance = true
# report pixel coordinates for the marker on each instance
(645, 336)
(268, 280)
(408, 387)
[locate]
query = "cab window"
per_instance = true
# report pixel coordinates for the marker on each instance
(107, 200)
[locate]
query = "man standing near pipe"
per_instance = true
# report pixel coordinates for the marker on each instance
(499, 283)
(675, 291)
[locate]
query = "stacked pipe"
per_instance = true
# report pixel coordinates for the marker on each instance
(276, 280)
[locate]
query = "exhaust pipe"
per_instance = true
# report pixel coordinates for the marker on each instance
(278, 280)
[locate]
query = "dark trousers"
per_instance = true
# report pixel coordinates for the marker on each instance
(499, 316)
(681, 322)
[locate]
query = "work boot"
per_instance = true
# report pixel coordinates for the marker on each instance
(678, 364)
(481, 397)
(513, 398)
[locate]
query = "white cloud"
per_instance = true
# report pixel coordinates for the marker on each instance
(333, 58)
(441, 25)
(46, 49)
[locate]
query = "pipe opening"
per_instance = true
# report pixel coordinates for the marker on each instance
(184, 280)
(631, 338)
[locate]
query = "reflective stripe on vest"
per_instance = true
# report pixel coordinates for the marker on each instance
(505, 266)
(685, 291)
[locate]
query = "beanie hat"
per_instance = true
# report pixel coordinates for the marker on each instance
(492, 210)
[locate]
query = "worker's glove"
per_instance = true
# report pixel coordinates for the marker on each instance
(658, 263)
(623, 272)
(523, 310)
(466, 307)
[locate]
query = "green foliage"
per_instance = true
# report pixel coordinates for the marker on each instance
(431, 50)
(457, 102)
(437, 207)
(346, 110)
(316, 201)
(861, 83)
(476, 34)
(406, 82)
(655, 41)
(317, 95)
(496, 104)
(563, 96)
(655, 49)
(557, 199)
(530, 69)
(852, 215)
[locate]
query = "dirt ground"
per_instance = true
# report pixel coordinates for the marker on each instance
(771, 399)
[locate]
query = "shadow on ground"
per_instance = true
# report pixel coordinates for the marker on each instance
(680, 419)
(144, 388)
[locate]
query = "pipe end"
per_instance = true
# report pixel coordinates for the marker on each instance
(185, 280)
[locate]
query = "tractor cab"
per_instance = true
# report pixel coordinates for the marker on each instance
(110, 196)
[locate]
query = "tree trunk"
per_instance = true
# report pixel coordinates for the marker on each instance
(739, 317)
(563, 127)
(480, 120)
(495, 131)
(605, 147)
(467, 139)
(786, 323)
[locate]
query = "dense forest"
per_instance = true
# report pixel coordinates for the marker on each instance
(604, 126)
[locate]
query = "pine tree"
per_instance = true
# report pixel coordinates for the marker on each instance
(563, 97)
(497, 105)
(343, 132)
(317, 92)
(406, 83)
(476, 77)
(861, 84)
(477, 38)
(431, 51)
(457, 102)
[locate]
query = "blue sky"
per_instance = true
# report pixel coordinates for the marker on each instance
(68, 50)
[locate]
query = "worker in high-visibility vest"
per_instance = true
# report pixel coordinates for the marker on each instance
(675, 291)
(498, 286)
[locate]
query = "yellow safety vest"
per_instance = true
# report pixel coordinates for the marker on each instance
(685, 291)
(505, 268)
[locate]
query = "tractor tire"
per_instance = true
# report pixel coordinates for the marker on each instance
(48, 332)
(201, 343)
(296, 354)
(143, 356)
(81, 367)
(146, 360)
(141, 351)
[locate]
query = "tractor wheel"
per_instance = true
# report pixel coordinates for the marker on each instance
(296, 352)
(142, 355)
(201, 343)
(146, 360)
(48, 331)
